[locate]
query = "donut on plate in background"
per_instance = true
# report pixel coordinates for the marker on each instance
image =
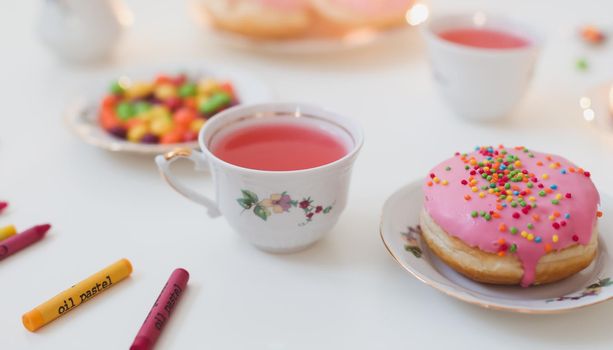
(363, 13)
(261, 18)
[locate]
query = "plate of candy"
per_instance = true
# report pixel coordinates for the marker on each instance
(157, 109)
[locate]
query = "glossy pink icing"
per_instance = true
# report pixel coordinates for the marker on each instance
(373, 8)
(446, 203)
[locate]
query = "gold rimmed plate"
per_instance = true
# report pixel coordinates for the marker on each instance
(401, 235)
(81, 115)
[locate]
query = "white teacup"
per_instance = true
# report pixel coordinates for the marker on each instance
(481, 83)
(277, 211)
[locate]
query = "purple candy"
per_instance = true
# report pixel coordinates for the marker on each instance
(150, 138)
(119, 132)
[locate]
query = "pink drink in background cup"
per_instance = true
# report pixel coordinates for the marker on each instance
(281, 171)
(482, 64)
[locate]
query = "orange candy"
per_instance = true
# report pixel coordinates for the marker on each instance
(172, 137)
(184, 116)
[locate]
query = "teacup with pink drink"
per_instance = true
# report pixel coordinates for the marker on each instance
(482, 64)
(281, 171)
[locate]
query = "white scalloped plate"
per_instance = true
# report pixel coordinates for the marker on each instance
(82, 113)
(401, 235)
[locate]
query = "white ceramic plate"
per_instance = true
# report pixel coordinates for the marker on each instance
(317, 41)
(82, 113)
(401, 235)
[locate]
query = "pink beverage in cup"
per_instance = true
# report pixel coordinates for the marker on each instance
(282, 146)
(481, 64)
(484, 38)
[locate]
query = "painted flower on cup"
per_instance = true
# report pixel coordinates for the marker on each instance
(279, 203)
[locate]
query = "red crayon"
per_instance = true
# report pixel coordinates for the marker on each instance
(17, 242)
(3, 206)
(161, 310)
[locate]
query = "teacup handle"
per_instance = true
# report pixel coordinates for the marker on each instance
(164, 162)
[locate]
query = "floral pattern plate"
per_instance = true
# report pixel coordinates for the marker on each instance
(401, 235)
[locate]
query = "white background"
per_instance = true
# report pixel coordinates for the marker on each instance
(345, 292)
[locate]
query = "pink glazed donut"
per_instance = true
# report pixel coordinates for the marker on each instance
(511, 216)
(377, 13)
(261, 18)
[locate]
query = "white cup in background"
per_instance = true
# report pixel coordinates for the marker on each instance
(481, 83)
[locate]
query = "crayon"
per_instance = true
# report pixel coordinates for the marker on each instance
(3, 206)
(7, 231)
(16, 243)
(76, 295)
(161, 310)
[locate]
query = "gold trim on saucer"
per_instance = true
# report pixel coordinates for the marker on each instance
(179, 152)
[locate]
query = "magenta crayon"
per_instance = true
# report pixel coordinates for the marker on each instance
(17, 242)
(161, 310)
(3, 206)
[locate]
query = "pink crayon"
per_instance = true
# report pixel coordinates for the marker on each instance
(3, 206)
(17, 242)
(160, 312)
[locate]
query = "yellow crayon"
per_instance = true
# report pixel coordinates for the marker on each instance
(7, 231)
(76, 295)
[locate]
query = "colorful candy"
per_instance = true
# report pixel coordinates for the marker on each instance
(167, 110)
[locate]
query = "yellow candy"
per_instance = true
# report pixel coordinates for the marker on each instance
(208, 86)
(146, 116)
(138, 90)
(197, 124)
(161, 126)
(554, 238)
(136, 133)
(165, 91)
(159, 112)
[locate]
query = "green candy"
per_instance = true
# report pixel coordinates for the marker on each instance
(116, 88)
(513, 248)
(514, 230)
(488, 217)
(555, 202)
(187, 90)
(531, 226)
(215, 103)
(141, 107)
(507, 186)
(474, 214)
(514, 204)
(530, 184)
(125, 111)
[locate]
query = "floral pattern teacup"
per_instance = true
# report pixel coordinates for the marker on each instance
(277, 211)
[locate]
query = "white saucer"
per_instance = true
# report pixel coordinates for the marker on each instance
(401, 235)
(82, 113)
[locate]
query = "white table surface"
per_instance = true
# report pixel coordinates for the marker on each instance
(346, 292)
